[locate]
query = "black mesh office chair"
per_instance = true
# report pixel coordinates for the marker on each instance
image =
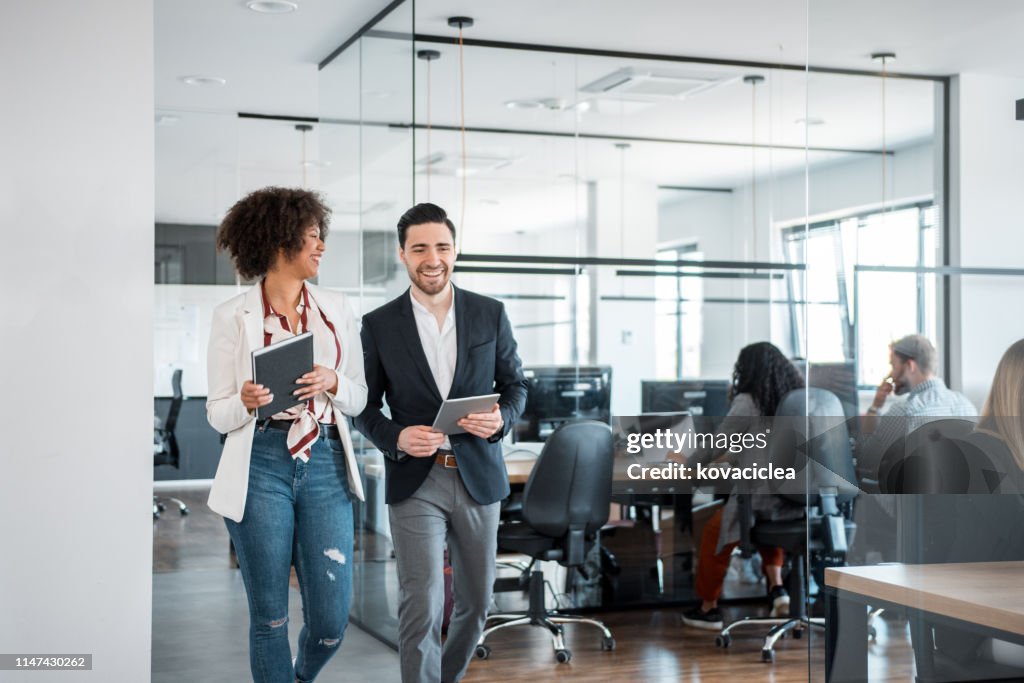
(812, 436)
(565, 503)
(165, 445)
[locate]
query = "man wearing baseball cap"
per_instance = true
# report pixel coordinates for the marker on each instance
(912, 364)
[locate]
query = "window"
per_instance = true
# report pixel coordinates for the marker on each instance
(853, 315)
(678, 310)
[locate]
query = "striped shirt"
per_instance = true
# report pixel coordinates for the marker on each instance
(306, 418)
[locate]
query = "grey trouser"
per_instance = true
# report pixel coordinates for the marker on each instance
(442, 510)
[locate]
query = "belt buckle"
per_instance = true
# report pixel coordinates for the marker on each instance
(453, 465)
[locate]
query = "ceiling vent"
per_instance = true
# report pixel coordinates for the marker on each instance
(451, 164)
(657, 83)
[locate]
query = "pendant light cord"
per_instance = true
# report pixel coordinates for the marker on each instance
(429, 160)
(462, 132)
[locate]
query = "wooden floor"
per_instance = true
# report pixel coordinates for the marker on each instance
(193, 571)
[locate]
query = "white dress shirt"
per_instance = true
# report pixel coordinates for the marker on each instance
(438, 345)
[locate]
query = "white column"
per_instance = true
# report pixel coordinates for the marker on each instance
(624, 330)
(76, 366)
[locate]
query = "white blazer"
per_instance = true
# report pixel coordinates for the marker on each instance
(237, 329)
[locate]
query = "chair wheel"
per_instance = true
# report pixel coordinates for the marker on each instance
(184, 510)
(723, 640)
(483, 651)
(161, 506)
(607, 644)
(798, 633)
(563, 656)
(768, 656)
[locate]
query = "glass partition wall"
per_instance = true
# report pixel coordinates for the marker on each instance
(642, 218)
(366, 115)
(909, 245)
(626, 210)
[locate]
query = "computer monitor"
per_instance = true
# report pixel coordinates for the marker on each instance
(557, 394)
(698, 397)
(839, 378)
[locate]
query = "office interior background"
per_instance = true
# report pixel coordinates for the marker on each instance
(838, 201)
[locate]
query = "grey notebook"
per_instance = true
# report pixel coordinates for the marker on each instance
(277, 366)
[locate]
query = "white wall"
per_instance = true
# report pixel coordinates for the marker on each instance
(76, 205)
(989, 223)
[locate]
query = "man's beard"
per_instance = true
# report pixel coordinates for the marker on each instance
(431, 287)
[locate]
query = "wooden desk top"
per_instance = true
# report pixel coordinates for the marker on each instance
(986, 593)
(519, 470)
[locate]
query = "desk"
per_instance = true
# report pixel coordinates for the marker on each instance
(985, 597)
(519, 470)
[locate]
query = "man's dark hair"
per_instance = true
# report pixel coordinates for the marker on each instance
(420, 214)
(262, 223)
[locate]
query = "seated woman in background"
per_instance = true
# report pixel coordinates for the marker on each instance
(761, 377)
(987, 526)
(1000, 430)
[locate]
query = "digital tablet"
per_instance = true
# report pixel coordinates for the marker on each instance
(454, 409)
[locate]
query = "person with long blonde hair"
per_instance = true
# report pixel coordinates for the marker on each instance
(1003, 413)
(984, 526)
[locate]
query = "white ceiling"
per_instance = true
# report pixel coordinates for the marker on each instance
(937, 37)
(207, 157)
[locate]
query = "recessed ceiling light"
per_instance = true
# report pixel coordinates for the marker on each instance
(313, 163)
(810, 121)
(215, 81)
(554, 103)
(524, 104)
(378, 94)
(272, 6)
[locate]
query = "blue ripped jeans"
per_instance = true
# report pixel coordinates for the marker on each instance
(302, 513)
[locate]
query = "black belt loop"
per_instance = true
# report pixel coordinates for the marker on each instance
(261, 424)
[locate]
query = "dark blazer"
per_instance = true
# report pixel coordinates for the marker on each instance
(397, 369)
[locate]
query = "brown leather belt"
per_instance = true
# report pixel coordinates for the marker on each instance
(446, 458)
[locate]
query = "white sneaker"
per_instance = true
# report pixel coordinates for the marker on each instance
(780, 602)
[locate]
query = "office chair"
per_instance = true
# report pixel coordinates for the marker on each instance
(565, 503)
(965, 484)
(815, 426)
(165, 444)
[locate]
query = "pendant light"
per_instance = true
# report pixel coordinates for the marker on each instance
(462, 23)
(303, 128)
(884, 58)
(753, 80)
(428, 56)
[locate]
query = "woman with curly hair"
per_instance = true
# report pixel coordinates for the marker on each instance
(285, 485)
(760, 378)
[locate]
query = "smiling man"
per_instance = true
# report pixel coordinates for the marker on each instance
(433, 342)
